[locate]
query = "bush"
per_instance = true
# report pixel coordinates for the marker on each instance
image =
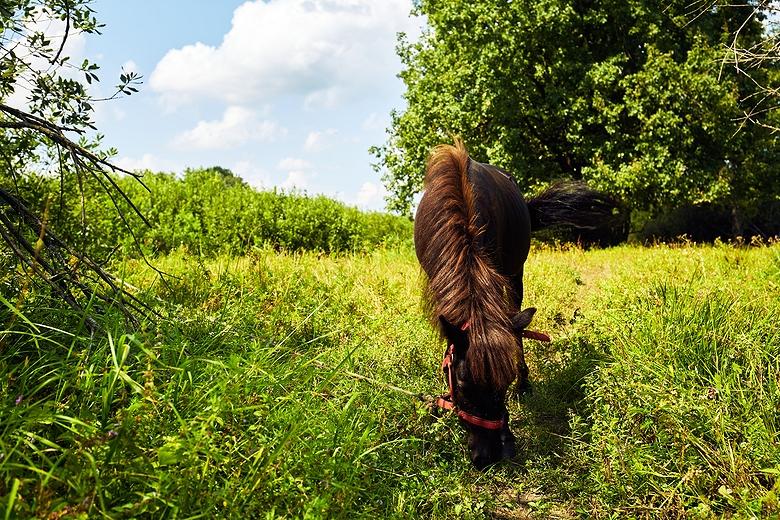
(210, 211)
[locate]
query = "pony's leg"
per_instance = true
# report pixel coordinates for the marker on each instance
(508, 442)
(523, 385)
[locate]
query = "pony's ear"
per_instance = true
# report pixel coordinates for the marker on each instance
(523, 319)
(454, 334)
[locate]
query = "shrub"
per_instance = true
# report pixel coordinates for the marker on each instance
(210, 211)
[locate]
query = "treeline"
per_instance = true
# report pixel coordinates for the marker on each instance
(632, 97)
(206, 211)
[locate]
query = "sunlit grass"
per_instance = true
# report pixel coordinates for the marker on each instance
(658, 396)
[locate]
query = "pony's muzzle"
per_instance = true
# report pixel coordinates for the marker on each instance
(485, 448)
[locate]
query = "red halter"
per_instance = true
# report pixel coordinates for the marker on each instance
(447, 402)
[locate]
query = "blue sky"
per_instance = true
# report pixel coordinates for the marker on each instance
(287, 93)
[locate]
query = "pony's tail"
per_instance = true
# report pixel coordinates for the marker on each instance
(571, 204)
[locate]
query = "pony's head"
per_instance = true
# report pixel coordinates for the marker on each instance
(478, 392)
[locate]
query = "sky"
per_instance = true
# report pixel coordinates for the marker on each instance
(285, 93)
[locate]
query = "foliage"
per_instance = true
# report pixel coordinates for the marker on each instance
(45, 116)
(43, 95)
(628, 95)
(211, 211)
(679, 418)
(656, 399)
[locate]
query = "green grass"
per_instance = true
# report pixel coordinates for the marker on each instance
(657, 398)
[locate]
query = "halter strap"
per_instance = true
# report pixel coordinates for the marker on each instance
(538, 336)
(446, 401)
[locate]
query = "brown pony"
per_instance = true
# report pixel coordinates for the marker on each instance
(472, 235)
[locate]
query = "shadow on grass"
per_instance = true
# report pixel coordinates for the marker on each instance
(538, 478)
(561, 369)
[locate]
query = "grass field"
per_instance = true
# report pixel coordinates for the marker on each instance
(659, 396)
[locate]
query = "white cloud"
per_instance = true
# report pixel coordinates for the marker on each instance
(130, 66)
(55, 32)
(324, 50)
(147, 162)
(105, 113)
(252, 174)
(317, 141)
(296, 180)
(325, 98)
(299, 173)
(238, 126)
(371, 195)
(292, 163)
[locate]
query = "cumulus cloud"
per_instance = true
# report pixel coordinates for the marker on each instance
(238, 126)
(299, 173)
(296, 180)
(317, 141)
(106, 113)
(149, 162)
(323, 50)
(370, 195)
(325, 98)
(292, 163)
(252, 174)
(54, 29)
(131, 66)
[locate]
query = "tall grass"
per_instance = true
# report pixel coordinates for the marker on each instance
(684, 415)
(224, 411)
(657, 398)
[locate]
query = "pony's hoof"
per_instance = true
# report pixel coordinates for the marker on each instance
(508, 445)
(508, 450)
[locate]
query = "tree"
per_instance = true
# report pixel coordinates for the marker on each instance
(45, 119)
(748, 54)
(624, 94)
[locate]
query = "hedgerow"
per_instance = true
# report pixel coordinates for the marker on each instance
(208, 211)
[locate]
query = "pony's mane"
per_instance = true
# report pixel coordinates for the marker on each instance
(463, 286)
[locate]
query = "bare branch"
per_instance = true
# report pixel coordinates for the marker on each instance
(56, 57)
(59, 274)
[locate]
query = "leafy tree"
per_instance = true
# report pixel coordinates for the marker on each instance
(625, 94)
(45, 124)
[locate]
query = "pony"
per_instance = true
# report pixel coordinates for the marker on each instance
(472, 236)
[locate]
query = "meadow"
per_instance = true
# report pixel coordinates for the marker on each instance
(285, 367)
(659, 396)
